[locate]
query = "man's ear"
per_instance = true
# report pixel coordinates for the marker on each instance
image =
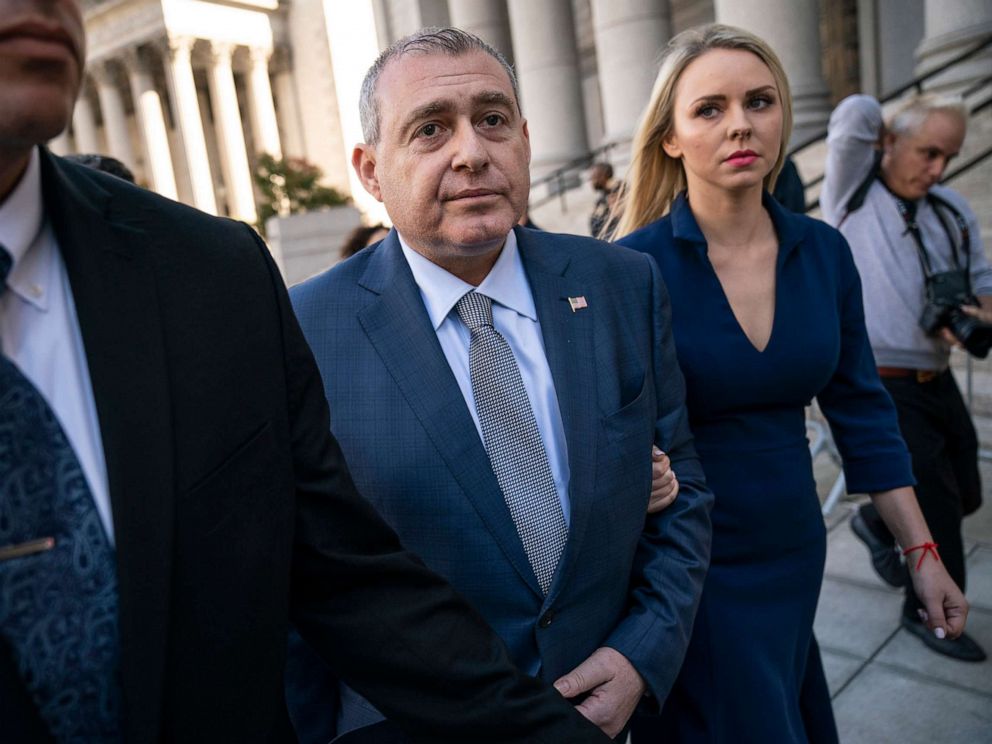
(363, 161)
(526, 132)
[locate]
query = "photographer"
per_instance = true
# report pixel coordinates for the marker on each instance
(927, 286)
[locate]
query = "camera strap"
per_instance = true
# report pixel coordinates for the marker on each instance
(913, 228)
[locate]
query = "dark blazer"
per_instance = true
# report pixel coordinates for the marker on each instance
(625, 580)
(233, 508)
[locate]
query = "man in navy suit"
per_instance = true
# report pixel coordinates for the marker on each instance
(506, 437)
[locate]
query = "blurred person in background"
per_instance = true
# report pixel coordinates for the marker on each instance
(104, 163)
(927, 287)
(601, 178)
(362, 236)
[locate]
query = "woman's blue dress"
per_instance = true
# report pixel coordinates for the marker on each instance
(752, 650)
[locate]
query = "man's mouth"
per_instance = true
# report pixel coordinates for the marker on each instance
(38, 40)
(468, 194)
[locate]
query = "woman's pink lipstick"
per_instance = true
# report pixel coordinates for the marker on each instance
(742, 158)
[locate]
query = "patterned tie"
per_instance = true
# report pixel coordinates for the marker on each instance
(58, 581)
(513, 441)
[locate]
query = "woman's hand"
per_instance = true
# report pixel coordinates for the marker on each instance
(664, 484)
(946, 608)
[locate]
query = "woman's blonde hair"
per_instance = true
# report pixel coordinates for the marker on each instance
(654, 179)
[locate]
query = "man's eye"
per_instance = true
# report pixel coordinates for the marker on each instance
(429, 130)
(493, 120)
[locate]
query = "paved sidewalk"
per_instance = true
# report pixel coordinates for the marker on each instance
(886, 685)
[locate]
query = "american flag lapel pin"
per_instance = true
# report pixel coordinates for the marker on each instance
(577, 303)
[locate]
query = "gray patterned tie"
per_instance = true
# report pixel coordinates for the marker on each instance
(58, 580)
(513, 441)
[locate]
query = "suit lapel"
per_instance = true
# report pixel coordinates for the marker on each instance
(115, 297)
(398, 327)
(568, 343)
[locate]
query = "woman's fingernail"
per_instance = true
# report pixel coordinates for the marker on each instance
(939, 632)
(923, 615)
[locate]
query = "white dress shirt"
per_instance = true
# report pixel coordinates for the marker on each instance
(40, 333)
(515, 317)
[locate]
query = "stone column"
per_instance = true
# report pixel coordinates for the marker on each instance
(550, 86)
(792, 29)
(84, 125)
(487, 19)
(630, 36)
(151, 122)
(114, 116)
(407, 16)
(263, 112)
(186, 107)
(230, 135)
(952, 27)
(289, 115)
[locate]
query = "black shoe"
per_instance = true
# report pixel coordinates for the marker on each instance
(962, 648)
(884, 556)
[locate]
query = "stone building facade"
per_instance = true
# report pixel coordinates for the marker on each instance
(189, 93)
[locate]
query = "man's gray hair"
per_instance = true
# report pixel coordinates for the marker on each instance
(908, 117)
(429, 40)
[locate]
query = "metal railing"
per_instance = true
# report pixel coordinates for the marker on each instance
(566, 177)
(916, 83)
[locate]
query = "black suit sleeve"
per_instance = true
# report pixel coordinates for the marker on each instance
(392, 629)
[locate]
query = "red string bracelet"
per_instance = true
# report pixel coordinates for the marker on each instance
(927, 547)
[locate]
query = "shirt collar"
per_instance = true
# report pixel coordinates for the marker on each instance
(506, 284)
(21, 221)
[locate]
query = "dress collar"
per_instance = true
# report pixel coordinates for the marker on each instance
(789, 227)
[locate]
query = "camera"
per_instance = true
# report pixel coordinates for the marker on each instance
(946, 292)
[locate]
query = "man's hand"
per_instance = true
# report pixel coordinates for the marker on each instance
(614, 688)
(664, 484)
(983, 313)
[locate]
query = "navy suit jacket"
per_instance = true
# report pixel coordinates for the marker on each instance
(626, 580)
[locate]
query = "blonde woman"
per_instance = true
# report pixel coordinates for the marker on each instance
(767, 314)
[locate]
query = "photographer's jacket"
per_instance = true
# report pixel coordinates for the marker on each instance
(884, 251)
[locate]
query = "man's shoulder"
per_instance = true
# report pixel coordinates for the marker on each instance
(182, 225)
(587, 252)
(334, 285)
(955, 199)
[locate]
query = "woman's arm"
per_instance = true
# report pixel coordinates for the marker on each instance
(946, 607)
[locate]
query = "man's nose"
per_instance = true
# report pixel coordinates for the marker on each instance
(937, 167)
(470, 149)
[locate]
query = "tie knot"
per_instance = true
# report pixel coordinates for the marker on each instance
(475, 310)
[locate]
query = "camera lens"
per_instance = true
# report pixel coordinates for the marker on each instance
(975, 335)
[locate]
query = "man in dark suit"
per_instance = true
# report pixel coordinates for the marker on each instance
(497, 391)
(169, 492)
